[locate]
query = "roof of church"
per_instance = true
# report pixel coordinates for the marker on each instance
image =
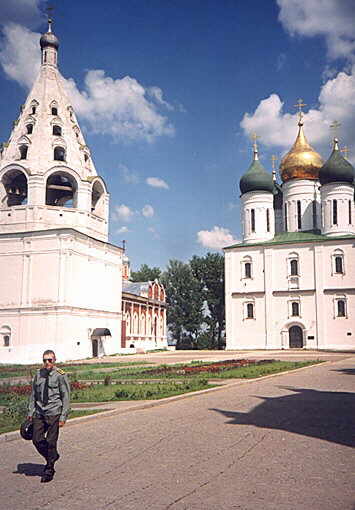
(49, 112)
(256, 178)
(136, 288)
(336, 168)
(294, 237)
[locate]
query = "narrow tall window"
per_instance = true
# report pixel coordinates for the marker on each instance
(339, 265)
(286, 217)
(6, 341)
(350, 218)
(294, 267)
(54, 110)
(295, 309)
(45, 57)
(252, 219)
(59, 154)
(23, 151)
(335, 212)
(33, 110)
(29, 128)
(250, 311)
(299, 216)
(247, 270)
(341, 308)
(57, 130)
(267, 220)
(314, 212)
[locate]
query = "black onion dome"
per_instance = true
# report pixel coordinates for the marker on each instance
(49, 39)
(256, 178)
(336, 168)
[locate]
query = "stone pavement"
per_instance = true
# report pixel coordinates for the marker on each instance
(284, 442)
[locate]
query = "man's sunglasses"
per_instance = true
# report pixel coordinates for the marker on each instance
(50, 360)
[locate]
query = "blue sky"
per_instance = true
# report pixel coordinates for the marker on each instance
(169, 92)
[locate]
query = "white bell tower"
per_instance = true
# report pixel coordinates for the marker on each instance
(60, 278)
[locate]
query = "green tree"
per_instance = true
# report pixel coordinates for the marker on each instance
(145, 274)
(209, 272)
(185, 303)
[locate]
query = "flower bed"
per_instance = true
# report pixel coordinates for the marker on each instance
(216, 367)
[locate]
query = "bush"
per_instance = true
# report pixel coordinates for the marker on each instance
(107, 380)
(16, 409)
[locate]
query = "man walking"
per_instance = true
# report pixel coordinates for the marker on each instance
(48, 409)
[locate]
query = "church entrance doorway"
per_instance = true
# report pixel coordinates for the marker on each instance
(295, 334)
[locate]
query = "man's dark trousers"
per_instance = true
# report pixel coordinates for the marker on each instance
(45, 437)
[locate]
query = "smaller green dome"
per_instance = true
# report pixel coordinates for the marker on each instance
(336, 168)
(256, 178)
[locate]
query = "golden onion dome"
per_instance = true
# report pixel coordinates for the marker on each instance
(302, 161)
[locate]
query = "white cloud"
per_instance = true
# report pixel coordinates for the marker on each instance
(128, 176)
(277, 128)
(20, 54)
(118, 107)
(156, 182)
(148, 211)
(333, 19)
(122, 230)
(25, 12)
(154, 232)
(123, 213)
(216, 238)
(157, 94)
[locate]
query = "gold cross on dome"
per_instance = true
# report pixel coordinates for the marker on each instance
(273, 159)
(335, 126)
(50, 10)
(255, 137)
(300, 104)
(346, 151)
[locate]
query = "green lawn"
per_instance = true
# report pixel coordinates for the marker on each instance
(8, 425)
(29, 370)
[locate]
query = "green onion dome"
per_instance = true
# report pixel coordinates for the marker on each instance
(336, 168)
(256, 178)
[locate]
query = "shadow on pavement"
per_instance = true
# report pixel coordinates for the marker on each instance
(347, 371)
(29, 469)
(325, 415)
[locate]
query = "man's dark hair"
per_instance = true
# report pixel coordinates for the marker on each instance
(48, 351)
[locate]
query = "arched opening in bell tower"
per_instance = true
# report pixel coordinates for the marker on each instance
(98, 199)
(14, 188)
(61, 190)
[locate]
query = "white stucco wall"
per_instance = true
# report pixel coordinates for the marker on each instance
(56, 287)
(272, 290)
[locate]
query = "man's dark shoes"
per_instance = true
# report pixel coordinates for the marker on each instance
(47, 475)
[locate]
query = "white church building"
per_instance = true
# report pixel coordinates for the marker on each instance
(290, 283)
(60, 279)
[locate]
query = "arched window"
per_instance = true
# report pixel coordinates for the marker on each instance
(349, 206)
(295, 309)
(29, 128)
(57, 130)
(267, 220)
(335, 212)
(339, 264)
(299, 215)
(5, 335)
(61, 190)
(341, 307)
(252, 220)
(86, 158)
(247, 270)
(23, 151)
(250, 311)
(294, 267)
(33, 110)
(59, 154)
(54, 110)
